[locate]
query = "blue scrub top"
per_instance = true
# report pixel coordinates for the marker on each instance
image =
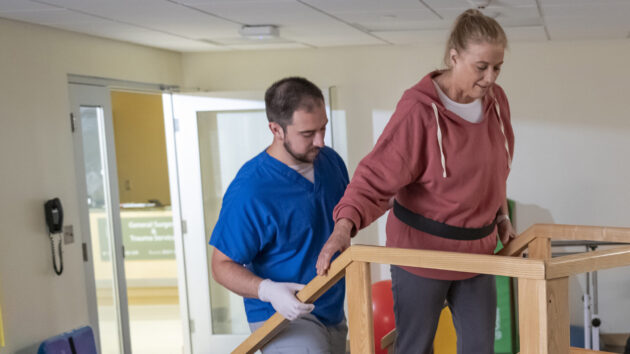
(275, 222)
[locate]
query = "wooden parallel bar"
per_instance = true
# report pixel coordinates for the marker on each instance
(311, 292)
(588, 262)
(575, 350)
(519, 244)
(473, 263)
(388, 339)
(578, 232)
(359, 289)
(543, 316)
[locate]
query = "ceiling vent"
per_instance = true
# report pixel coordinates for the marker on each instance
(259, 32)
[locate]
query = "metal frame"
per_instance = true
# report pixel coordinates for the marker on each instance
(82, 95)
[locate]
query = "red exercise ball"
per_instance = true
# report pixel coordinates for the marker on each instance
(382, 312)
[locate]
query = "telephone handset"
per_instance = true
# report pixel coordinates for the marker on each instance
(54, 215)
(54, 221)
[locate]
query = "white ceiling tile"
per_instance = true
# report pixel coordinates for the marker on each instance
(588, 11)
(269, 46)
(415, 37)
(579, 2)
(22, 5)
(154, 14)
(496, 12)
(127, 33)
(276, 12)
(351, 6)
(573, 32)
(387, 18)
(466, 4)
(49, 17)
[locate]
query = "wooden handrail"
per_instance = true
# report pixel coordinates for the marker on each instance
(588, 262)
(453, 261)
(538, 272)
(311, 292)
(580, 232)
(519, 244)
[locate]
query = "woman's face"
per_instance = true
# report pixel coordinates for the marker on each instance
(476, 68)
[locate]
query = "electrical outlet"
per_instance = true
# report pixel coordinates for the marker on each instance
(68, 234)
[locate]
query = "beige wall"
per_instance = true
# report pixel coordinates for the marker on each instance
(36, 152)
(573, 87)
(569, 109)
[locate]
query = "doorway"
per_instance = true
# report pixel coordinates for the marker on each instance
(132, 269)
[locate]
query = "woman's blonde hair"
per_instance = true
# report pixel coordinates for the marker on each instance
(472, 26)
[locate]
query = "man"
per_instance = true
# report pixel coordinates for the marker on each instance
(275, 218)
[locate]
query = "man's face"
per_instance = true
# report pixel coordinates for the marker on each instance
(305, 135)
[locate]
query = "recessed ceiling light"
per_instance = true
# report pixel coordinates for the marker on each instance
(259, 32)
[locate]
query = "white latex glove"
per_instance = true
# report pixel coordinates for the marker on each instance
(282, 298)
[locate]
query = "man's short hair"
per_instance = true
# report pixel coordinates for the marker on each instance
(289, 95)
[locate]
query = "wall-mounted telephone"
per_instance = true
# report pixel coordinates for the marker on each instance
(54, 221)
(54, 215)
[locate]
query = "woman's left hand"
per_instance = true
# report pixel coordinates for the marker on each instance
(506, 231)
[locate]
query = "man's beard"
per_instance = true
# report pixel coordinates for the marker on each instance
(300, 157)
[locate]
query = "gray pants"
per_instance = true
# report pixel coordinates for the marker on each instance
(418, 303)
(307, 335)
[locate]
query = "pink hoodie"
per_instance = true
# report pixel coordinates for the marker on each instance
(454, 173)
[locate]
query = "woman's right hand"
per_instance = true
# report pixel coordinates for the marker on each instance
(338, 241)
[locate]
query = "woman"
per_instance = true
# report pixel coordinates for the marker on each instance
(445, 156)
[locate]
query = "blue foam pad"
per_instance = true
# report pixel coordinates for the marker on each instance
(55, 345)
(83, 340)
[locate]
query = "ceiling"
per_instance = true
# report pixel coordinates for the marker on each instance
(213, 25)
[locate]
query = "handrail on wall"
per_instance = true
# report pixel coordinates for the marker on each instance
(542, 283)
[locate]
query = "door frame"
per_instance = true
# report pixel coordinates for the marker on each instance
(83, 84)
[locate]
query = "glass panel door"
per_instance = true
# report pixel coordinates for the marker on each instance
(151, 269)
(227, 139)
(100, 216)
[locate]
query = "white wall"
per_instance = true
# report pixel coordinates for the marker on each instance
(36, 155)
(569, 109)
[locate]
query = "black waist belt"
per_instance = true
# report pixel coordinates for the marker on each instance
(437, 228)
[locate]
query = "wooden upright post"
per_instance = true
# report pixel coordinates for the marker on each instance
(543, 312)
(358, 287)
(540, 248)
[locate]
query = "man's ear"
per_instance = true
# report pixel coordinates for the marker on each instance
(276, 130)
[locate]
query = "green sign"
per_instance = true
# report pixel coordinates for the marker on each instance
(144, 238)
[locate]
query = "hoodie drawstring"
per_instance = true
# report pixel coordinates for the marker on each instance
(507, 148)
(439, 138)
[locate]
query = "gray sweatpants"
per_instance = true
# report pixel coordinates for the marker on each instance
(418, 303)
(307, 335)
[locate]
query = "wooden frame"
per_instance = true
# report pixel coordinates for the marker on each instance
(543, 283)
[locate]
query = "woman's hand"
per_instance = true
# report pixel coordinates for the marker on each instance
(506, 231)
(338, 241)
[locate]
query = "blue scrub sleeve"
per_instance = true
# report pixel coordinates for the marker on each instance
(238, 232)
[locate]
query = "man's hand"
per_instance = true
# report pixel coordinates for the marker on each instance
(282, 298)
(506, 231)
(338, 241)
